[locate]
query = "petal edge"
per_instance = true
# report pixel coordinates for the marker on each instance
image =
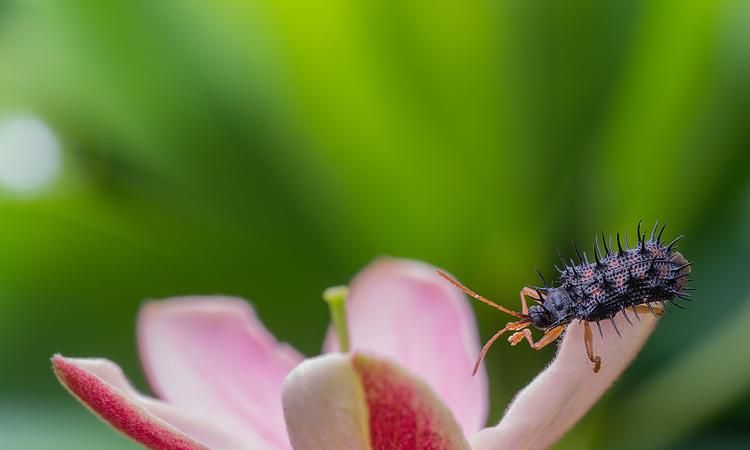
(211, 355)
(114, 408)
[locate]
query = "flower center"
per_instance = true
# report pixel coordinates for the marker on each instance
(336, 299)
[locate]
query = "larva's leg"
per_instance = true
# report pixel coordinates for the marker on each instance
(657, 311)
(510, 326)
(588, 339)
(548, 337)
(531, 293)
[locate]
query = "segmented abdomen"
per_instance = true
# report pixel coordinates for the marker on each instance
(648, 273)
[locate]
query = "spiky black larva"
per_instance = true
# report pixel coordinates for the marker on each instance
(592, 292)
(648, 273)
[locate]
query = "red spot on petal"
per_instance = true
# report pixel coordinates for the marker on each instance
(404, 414)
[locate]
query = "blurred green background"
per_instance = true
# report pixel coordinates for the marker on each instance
(269, 149)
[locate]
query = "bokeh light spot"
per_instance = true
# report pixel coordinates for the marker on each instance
(29, 154)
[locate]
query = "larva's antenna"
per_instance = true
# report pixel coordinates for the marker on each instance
(471, 293)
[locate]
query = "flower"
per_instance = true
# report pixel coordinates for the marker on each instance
(219, 373)
(225, 383)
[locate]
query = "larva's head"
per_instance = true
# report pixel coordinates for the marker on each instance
(540, 317)
(553, 310)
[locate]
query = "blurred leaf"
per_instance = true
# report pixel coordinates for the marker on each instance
(46, 425)
(269, 149)
(691, 390)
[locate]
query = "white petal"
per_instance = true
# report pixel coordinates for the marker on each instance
(324, 406)
(558, 397)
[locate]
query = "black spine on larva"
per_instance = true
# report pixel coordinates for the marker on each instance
(649, 272)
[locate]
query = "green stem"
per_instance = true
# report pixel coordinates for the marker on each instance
(336, 299)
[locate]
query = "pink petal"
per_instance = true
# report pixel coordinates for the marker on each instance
(100, 385)
(353, 402)
(548, 407)
(403, 310)
(211, 356)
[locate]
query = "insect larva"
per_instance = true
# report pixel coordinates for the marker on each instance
(641, 279)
